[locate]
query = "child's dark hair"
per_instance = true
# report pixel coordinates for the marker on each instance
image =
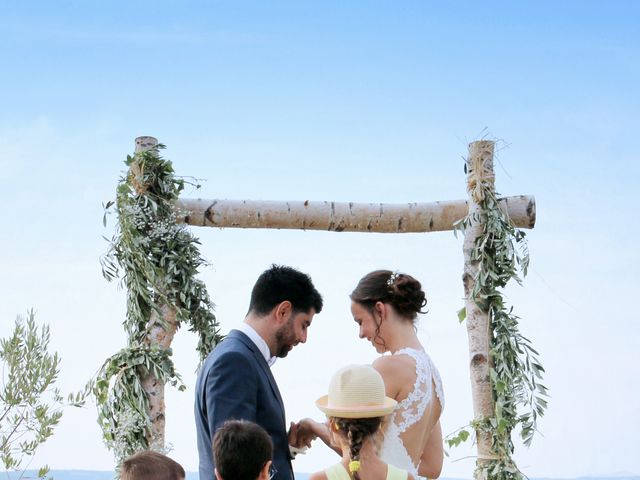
(356, 431)
(241, 449)
(280, 283)
(150, 465)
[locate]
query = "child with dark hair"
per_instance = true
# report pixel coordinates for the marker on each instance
(355, 407)
(242, 450)
(150, 465)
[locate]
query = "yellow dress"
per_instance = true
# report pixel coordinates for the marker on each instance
(338, 472)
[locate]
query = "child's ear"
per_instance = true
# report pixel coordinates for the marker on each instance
(264, 473)
(218, 477)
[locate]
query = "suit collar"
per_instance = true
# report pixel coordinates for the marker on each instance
(260, 342)
(241, 336)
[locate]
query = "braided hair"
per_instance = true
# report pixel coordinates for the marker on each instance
(357, 431)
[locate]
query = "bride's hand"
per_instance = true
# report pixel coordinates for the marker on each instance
(301, 434)
(320, 430)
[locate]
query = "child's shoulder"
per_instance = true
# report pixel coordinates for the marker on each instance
(318, 476)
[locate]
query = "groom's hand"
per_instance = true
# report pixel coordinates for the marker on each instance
(301, 434)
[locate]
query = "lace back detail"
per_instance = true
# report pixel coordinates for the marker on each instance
(411, 409)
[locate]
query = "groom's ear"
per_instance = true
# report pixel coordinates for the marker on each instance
(282, 312)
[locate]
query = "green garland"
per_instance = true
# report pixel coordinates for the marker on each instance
(157, 260)
(515, 369)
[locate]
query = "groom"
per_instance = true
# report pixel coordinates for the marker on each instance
(235, 381)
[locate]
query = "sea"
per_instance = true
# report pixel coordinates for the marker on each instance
(101, 475)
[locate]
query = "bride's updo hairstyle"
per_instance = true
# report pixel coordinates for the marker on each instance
(400, 290)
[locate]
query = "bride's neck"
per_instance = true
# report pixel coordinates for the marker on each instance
(402, 336)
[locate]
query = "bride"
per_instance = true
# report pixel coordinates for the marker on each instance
(385, 305)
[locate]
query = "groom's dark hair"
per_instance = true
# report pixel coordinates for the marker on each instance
(280, 283)
(241, 449)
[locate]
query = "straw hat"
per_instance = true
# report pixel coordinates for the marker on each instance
(356, 391)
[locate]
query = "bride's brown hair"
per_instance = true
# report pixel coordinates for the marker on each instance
(400, 290)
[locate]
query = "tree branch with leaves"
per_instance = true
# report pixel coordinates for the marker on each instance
(30, 404)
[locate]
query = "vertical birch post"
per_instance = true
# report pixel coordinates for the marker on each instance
(160, 332)
(479, 170)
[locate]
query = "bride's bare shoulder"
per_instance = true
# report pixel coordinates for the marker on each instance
(394, 371)
(393, 364)
(387, 362)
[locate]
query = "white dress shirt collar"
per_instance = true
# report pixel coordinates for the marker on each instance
(250, 332)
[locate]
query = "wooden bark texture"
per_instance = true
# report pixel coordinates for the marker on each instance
(343, 217)
(160, 337)
(160, 332)
(479, 166)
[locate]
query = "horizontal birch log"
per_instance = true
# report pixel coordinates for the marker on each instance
(343, 217)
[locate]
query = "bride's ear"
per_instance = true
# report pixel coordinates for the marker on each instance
(380, 308)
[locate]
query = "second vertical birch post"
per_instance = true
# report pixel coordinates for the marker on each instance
(479, 172)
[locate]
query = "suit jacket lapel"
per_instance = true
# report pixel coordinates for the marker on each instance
(263, 364)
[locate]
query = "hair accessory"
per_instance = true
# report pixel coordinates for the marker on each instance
(392, 278)
(354, 465)
(356, 391)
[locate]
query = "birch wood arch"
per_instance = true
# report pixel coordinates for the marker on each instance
(366, 218)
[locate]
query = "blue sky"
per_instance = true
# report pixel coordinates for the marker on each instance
(359, 101)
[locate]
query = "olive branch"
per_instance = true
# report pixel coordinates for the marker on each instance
(157, 260)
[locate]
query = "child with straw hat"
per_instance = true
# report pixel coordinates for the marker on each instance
(355, 407)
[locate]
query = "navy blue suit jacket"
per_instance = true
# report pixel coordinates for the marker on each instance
(235, 382)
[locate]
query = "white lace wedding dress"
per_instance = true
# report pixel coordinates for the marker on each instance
(411, 409)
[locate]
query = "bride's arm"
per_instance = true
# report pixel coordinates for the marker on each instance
(432, 455)
(319, 430)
